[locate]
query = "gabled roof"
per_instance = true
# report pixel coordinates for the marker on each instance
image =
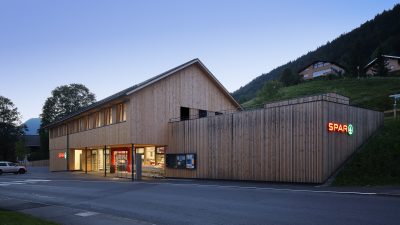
(384, 56)
(323, 61)
(144, 84)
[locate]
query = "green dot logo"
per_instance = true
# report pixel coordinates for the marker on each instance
(350, 129)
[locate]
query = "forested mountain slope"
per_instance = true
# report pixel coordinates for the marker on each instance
(355, 48)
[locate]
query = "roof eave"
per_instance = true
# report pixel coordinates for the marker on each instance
(324, 61)
(185, 66)
(143, 85)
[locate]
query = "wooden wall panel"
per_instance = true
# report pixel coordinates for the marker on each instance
(58, 143)
(109, 135)
(338, 146)
(150, 109)
(153, 106)
(286, 143)
(57, 164)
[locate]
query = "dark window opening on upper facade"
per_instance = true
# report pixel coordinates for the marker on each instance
(202, 113)
(184, 113)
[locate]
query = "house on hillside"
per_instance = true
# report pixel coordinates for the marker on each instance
(321, 68)
(392, 64)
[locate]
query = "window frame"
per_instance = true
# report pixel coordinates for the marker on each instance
(121, 113)
(108, 120)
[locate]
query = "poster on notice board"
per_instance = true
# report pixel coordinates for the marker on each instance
(190, 161)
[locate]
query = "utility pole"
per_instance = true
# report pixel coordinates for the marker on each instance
(67, 151)
(105, 160)
(395, 97)
(133, 151)
(86, 160)
(358, 72)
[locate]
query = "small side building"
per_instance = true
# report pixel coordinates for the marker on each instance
(392, 64)
(321, 68)
(298, 140)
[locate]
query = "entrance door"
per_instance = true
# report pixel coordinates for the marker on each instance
(94, 160)
(121, 164)
(78, 161)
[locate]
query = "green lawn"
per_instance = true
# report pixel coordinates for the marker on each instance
(378, 162)
(369, 93)
(15, 218)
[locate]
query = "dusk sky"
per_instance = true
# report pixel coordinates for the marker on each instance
(111, 45)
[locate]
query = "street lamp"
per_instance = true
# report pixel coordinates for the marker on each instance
(395, 97)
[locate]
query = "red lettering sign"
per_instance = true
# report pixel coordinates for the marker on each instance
(345, 128)
(61, 155)
(337, 127)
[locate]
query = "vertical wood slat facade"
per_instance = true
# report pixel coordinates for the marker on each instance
(148, 112)
(285, 143)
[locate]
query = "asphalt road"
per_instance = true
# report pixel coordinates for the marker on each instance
(74, 199)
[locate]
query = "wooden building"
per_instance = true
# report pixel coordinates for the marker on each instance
(183, 123)
(299, 140)
(101, 136)
(392, 64)
(320, 69)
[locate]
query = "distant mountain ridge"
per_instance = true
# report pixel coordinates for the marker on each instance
(33, 125)
(361, 43)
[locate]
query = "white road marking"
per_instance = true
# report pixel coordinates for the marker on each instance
(230, 186)
(36, 180)
(28, 181)
(85, 214)
(266, 188)
(180, 180)
(10, 183)
(43, 196)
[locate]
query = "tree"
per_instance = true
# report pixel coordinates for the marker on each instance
(20, 149)
(11, 129)
(384, 29)
(380, 65)
(270, 90)
(354, 62)
(64, 100)
(288, 78)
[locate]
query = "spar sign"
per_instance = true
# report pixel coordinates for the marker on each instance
(340, 128)
(62, 155)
